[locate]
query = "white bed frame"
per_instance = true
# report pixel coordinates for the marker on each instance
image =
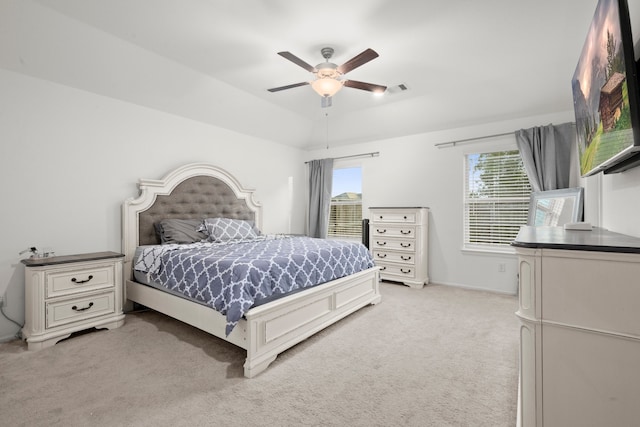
(266, 330)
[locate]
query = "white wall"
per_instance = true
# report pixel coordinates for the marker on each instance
(613, 201)
(412, 171)
(69, 158)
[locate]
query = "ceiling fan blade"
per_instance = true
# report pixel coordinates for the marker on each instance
(277, 89)
(291, 57)
(364, 86)
(357, 61)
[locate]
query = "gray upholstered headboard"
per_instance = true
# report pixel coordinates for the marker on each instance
(197, 197)
(196, 190)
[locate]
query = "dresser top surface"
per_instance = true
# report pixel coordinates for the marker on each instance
(66, 259)
(597, 239)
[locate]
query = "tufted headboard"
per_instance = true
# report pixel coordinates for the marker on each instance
(192, 191)
(198, 197)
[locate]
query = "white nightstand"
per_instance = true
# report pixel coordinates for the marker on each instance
(66, 294)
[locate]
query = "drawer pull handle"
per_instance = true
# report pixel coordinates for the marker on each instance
(381, 243)
(383, 268)
(79, 282)
(405, 258)
(405, 245)
(381, 231)
(405, 232)
(405, 271)
(75, 307)
(382, 255)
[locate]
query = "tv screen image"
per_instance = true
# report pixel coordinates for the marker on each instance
(605, 91)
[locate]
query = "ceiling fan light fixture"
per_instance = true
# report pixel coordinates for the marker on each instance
(328, 75)
(326, 86)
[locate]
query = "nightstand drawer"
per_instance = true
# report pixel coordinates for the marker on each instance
(91, 278)
(67, 311)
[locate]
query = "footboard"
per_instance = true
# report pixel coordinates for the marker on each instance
(275, 327)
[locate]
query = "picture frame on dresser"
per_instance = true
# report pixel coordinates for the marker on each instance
(556, 207)
(398, 241)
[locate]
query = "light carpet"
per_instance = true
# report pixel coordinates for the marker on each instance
(438, 356)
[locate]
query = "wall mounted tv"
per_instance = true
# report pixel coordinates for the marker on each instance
(605, 93)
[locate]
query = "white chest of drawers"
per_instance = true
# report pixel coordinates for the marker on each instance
(66, 294)
(398, 242)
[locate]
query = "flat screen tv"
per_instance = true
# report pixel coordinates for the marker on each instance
(605, 93)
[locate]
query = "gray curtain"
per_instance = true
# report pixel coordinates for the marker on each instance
(546, 153)
(320, 180)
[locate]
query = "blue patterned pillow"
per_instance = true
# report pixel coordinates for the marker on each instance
(225, 229)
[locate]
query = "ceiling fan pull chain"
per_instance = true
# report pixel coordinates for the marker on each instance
(327, 120)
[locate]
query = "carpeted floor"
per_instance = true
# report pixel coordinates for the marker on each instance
(439, 356)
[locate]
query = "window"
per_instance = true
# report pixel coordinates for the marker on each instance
(345, 217)
(496, 199)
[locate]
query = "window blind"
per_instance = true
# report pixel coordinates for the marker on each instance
(496, 198)
(345, 218)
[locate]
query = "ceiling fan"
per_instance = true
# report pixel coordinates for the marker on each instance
(328, 74)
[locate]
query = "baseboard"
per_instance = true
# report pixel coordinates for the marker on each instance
(8, 338)
(474, 288)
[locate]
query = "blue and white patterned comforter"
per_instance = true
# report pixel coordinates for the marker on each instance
(230, 277)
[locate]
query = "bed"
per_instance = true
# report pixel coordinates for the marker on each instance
(197, 191)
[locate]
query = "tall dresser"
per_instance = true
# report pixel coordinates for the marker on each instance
(579, 327)
(398, 239)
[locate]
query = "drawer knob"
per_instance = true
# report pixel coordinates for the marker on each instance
(75, 307)
(382, 255)
(405, 232)
(405, 258)
(405, 271)
(381, 231)
(79, 282)
(405, 245)
(381, 243)
(405, 217)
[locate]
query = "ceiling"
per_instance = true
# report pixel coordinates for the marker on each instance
(464, 62)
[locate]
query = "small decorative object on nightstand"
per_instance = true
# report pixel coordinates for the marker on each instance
(66, 294)
(398, 239)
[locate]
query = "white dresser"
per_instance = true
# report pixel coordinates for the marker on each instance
(66, 294)
(398, 239)
(579, 293)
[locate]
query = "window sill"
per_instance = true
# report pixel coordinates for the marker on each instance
(488, 251)
(348, 238)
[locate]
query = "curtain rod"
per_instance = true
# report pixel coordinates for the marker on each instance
(453, 143)
(372, 154)
(477, 138)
